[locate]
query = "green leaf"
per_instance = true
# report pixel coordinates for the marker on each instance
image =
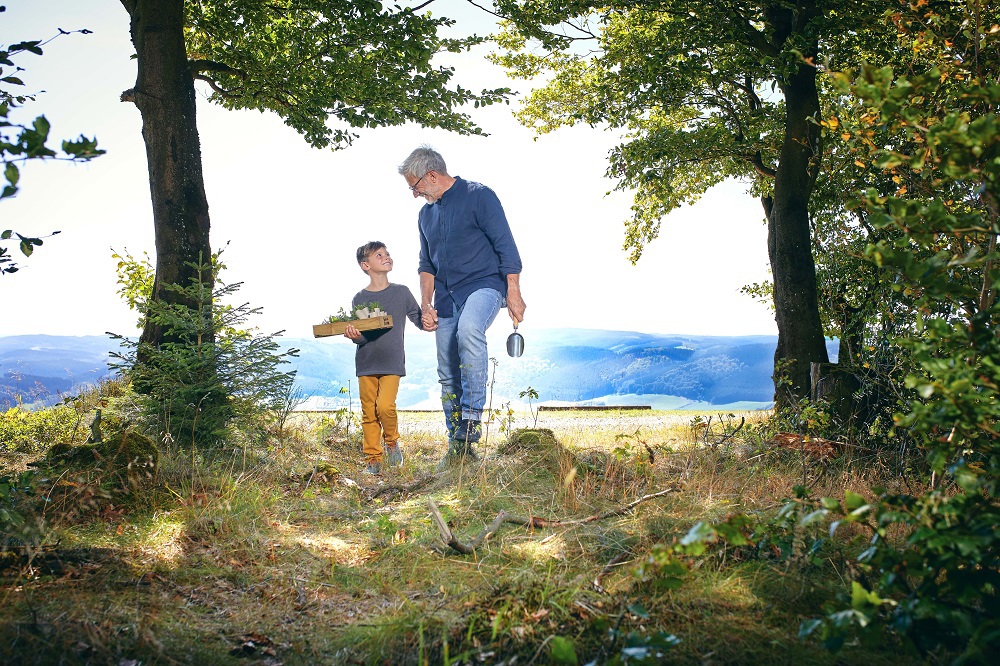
(700, 533)
(853, 500)
(561, 650)
(813, 517)
(668, 583)
(42, 127)
(11, 173)
(831, 503)
(638, 610)
(861, 598)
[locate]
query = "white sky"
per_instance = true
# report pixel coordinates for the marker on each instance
(294, 215)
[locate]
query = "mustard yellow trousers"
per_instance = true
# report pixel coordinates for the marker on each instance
(378, 413)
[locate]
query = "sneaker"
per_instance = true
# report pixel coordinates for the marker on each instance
(394, 455)
(371, 469)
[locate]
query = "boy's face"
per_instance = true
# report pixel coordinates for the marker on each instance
(379, 261)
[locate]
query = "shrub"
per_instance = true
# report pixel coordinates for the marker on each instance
(22, 431)
(932, 568)
(209, 373)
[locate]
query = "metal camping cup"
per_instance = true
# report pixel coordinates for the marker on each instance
(515, 343)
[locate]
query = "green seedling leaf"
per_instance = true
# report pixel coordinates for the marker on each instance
(561, 650)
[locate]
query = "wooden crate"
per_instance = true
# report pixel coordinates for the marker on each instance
(338, 327)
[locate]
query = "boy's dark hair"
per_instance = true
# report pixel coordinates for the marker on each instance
(368, 248)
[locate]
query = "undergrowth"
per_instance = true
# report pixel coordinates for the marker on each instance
(284, 554)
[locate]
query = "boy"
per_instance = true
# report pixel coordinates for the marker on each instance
(379, 359)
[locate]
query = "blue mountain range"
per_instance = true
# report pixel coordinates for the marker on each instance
(564, 367)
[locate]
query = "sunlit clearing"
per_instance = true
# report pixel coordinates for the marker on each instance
(342, 552)
(164, 541)
(542, 550)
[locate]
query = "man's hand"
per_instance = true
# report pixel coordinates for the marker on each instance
(515, 304)
(429, 317)
(352, 332)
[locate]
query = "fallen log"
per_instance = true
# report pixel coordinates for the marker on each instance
(531, 521)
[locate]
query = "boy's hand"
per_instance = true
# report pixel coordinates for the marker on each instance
(429, 318)
(352, 333)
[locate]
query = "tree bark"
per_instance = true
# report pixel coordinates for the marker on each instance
(796, 305)
(164, 94)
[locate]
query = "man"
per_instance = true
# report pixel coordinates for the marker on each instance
(469, 268)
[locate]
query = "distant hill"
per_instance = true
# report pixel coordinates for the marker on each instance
(39, 369)
(564, 366)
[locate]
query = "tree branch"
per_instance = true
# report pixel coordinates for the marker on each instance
(214, 85)
(758, 164)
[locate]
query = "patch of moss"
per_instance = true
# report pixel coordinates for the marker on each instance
(530, 438)
(129, 451)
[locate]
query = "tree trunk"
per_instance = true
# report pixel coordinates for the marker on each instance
(164, 95)
(800, 331)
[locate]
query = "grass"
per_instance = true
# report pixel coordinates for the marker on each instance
(285, 558)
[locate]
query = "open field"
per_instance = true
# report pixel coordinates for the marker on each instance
(291, 557)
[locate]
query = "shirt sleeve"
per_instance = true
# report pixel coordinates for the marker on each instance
(424, 264)
(493, 222)
(413, 312)
(355, 302)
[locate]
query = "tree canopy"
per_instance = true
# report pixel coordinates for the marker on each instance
(324, 66)
(704, 91)
(360, 64)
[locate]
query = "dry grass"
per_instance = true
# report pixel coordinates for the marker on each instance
(288, 560)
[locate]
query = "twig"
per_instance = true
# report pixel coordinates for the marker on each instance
(312, 582)
(308, 482)
(729, 436)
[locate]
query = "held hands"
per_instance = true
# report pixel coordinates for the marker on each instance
(429, 318)
(352, 332)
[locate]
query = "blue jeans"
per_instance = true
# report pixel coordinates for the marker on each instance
(463, 362)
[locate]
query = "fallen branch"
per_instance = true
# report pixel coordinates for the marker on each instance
(401, 488)
(531, 521)
(535, 521)
(615, 561)
(449, 537)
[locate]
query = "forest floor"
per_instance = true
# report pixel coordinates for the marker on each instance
(293, 557)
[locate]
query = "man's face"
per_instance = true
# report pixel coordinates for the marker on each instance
(427, 186)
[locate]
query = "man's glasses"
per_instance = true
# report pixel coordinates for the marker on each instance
(413, 188)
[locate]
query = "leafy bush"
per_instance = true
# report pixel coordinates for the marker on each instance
(22, 431)
(932, 568)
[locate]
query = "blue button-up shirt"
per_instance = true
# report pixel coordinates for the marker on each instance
(466, 244)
